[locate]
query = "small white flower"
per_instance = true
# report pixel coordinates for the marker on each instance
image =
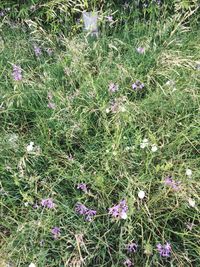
(154, 148)
(141, 194)
(123, 215)
(26, 204)
(30, 148)
(170, 83)
(144, 143)
(188, 172)
(32, 265)
(191, 202)
(107, 110)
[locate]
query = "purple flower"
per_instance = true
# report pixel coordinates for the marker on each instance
(171, 183)
(140, 50)
(2, 14)
(37, 51)
(134, 86)
(137, 85)
(128, 263)
(51, 105)
(55, 232)
(47, 203)
(113, 87)
(90, 214)
(165, 250)
(131, 247)
(17, 73)
(119, 211)
(83, 187)
(83, 210)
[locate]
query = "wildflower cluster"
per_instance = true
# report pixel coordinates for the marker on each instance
(171, 183)
(113, 87)
(83, 187)
(145, 143)
(131, 247)
(17, 73)
(117, 105)
(165, 250)
(83, 210)
(119, 211)
(55, 232)
(47, 203)
(137, 85)
(37, 50)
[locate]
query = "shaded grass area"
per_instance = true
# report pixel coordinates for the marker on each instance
(84, 140)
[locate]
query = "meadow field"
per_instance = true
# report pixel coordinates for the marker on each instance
(99, 146)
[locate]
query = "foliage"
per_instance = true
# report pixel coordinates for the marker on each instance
(94, 136)
(65, 15)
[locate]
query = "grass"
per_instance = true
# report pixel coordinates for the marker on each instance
(80, 141)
